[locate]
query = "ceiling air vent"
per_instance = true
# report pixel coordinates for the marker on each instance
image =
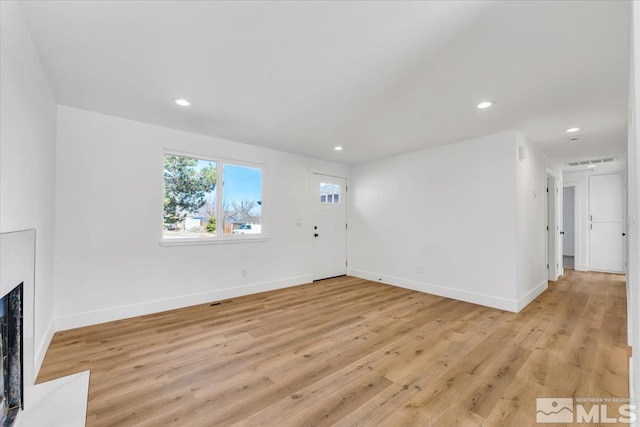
(592, 162)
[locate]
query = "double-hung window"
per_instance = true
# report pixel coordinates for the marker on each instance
(212, 200)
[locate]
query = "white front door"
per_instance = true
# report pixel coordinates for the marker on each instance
(329, 226)
(606, 223)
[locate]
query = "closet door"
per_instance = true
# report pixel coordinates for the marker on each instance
(606, 228)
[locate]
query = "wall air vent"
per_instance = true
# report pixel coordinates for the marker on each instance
(592, 162)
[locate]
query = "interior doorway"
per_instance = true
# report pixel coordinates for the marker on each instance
(569, 227)
(554, 218)
(329, 223)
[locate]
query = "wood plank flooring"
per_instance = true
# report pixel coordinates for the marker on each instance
(350, 352)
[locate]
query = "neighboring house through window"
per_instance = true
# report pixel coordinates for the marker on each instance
(212, 199)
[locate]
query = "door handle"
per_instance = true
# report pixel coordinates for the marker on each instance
(315, 234)
(624, 234)
(562, 232)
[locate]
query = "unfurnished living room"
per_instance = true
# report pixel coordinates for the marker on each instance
(298, 213)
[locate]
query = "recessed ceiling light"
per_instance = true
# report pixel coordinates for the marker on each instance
(337, 148)
(591, 166)
(571, 130)
(485, 104)
(182, 102)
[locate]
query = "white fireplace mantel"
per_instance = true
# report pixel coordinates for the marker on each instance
(58, 403)
(17, 265)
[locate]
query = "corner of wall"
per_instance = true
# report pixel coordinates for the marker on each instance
(28, 137)
(526, 299)
(531, 166)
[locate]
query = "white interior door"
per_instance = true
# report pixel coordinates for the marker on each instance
(606, 228)
(329, 223)
(552, 230)
(559, 227)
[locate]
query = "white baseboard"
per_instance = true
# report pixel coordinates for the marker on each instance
(117, 313)
(458, 294)
(632, 390)
(581, 267)
(531, 295)
(43, 347)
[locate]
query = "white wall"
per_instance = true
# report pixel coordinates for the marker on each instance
(27, 157)
(531, 212)
(464, 221)
(569, 223)
(633, 272)
(109, 267)
(441, 220)
(580, 179)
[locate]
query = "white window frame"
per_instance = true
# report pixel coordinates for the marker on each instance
(326, 196)
(219, 237)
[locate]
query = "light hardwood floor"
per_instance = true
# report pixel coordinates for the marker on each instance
(352, 352)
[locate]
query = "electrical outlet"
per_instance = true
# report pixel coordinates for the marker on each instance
(421, 268)
(243, 272)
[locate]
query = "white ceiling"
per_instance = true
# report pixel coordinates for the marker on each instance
(378, 78)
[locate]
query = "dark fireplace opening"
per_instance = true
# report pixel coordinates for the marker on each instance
(12, 396)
